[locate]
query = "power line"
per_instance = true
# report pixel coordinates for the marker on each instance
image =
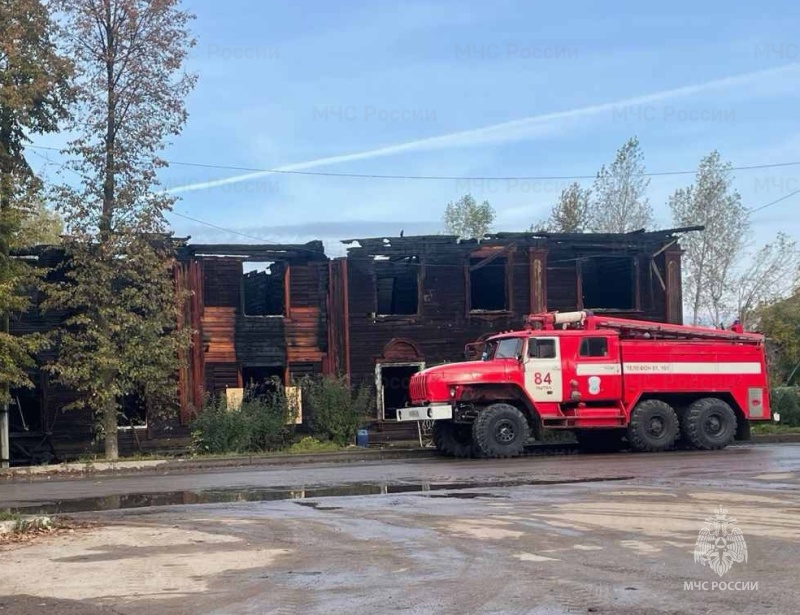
(775, 202)
(248, 236)
(219, 228)
(442, 177)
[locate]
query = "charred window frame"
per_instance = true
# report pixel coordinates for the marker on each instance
(488, 276)
(265, 289)
(609, 282)
(397, 286)
(133, 410)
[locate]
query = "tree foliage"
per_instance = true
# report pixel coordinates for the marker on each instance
(467, 219)
(34, 97)
(43, 227)
(769, 276)
(780, 322)
(710, 257)
(121, 336)
(571, 213)
(620, 203)
(336, 410)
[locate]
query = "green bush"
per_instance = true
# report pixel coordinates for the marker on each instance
(335, 411)
(261, 424)
(786, 402)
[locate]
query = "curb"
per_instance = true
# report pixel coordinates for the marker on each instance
(775, 438)
(181, 465)
(158, 466)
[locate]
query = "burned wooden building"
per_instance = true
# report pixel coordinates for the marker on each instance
(412, 302)
(258, 313)
(390, 307)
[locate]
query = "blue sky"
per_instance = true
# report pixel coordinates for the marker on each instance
(471, 89)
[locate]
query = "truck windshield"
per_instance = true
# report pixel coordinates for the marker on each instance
(508, 348)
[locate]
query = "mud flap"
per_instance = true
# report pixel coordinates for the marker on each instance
(742, 430)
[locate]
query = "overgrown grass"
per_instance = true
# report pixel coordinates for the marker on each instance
(773, 428)
(312, 445)
(7, 515)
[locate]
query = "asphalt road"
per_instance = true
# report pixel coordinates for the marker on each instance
(573, 534)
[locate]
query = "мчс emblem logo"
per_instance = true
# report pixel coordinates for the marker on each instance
(720, 543)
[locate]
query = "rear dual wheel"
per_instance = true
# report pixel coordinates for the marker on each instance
(709, 424)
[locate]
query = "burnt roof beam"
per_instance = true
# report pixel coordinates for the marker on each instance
(490, 258)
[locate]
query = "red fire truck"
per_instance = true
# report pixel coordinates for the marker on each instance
(609, 380)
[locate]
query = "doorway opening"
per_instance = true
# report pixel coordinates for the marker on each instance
(260, 381)
(392, 380)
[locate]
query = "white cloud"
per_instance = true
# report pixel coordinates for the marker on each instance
(515, 130)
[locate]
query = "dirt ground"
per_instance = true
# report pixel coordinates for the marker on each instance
(610, 534)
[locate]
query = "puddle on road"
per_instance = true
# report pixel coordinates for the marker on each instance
(254, 494)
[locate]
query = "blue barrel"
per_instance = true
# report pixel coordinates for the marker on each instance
(362, 438)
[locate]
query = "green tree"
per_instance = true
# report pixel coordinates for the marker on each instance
(571, 213)
(467, 219)
(710, 258)
(620, 203)
(121, 338)
(770, 275)
(34, 96)
(43, 227)
(780, 322)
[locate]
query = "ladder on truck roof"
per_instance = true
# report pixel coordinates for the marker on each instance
(641, 329)
(657, 330)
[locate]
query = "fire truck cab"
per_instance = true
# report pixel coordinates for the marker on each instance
(609, 380)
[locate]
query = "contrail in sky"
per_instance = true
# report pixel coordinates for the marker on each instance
(514, 130)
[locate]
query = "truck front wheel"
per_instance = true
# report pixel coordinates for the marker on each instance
(709, 424)
(653, 426)
(453, 439)
(500, 430)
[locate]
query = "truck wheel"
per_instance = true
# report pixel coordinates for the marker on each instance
(600, 440)
(453, 439)
(709, 424)
(653, 426)
(500, 430)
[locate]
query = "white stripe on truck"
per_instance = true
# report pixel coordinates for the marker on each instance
(693, 368)
(599, 369)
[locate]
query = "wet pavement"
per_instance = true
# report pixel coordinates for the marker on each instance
(74, 494)
(575, 534)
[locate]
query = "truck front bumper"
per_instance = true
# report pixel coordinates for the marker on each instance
(431, 412)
